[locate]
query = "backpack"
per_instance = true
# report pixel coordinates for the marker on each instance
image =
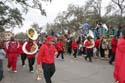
(13, 47)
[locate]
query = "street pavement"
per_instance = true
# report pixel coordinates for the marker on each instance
(70, 70)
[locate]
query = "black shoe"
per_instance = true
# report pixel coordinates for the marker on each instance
(90, 61)
(110, 63)
(85, 58)
(1, 78)
(75, 57)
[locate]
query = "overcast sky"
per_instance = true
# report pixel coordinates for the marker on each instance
(52, 9)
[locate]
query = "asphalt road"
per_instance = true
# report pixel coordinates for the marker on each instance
(70, 70)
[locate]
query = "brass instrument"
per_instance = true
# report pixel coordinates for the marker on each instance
(33, 49)
(38, 73)
(32, 34)
(91, 34)
(92, 40)
(92, 43)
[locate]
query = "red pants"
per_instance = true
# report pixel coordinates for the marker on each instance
(12, 60)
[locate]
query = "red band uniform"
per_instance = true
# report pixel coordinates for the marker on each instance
(89, 51)
(12, 54)
(74, 47)
(31, 58)
(60, 48)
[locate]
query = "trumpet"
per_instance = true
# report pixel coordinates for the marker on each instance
(38, 73)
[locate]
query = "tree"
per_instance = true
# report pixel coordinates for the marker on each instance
(11, 11)
(117, 9)
(120, 6)
(73, 18)
(91, 12)
(94, 7)
(21, 36)
(76, 15)
(2, 29)
(9, 17)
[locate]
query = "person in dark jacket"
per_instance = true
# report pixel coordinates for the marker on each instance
(69, 46)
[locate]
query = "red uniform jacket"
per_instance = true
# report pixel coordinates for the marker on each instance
(28, 47)
(88, 43)
(13, 47)
(114, 44)
(46, 54)
(119, 68)
(59, 46)
(97, 43)
(74, 44)
(20, 51)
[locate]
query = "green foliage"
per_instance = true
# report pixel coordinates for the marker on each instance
(9, 17)
(11, 11)
(75, 16)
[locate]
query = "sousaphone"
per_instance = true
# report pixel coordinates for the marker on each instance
(90, 34)
(33, 49)
(32, 34)
(92, 43)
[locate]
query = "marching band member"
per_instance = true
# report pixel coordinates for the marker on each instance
(89, 50)
(74, 47)
(60, 48)
(21, 53)
(12, 54)
(46, 58)
(30, 57)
